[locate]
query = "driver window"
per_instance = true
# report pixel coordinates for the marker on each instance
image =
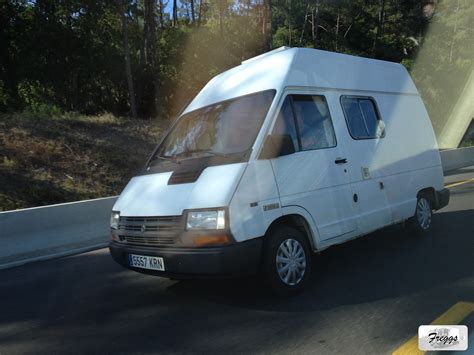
(285, 123)
(314, 122)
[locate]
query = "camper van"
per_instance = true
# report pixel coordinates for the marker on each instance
(285, 155)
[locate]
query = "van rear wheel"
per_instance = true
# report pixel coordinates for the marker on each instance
(421, 222)
(287, 260)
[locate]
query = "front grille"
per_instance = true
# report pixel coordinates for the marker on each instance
(152, 231)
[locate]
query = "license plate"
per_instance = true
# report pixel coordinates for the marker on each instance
(146, 262)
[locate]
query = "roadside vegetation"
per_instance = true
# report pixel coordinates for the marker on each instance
(47, 159)
(145, 59)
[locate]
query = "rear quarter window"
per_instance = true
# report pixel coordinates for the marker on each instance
(362, 117)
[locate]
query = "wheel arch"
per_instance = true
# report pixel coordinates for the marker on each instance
(430, 194)
(300, 219)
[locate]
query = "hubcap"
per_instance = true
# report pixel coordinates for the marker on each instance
(291, 262)
(423, 213)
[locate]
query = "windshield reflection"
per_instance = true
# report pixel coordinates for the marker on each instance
(222, 129)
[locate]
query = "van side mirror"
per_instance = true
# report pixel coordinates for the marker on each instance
(277, 145)
(380, 132)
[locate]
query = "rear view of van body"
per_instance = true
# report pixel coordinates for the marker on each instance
(287, 154)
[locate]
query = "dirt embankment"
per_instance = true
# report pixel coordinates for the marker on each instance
(70, 158)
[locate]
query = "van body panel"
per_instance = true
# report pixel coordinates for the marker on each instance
(265, 74)
(249, 212)
(311, 179)
(372, 206)
(305, 67)
(323, 69)
(407, 159)
(388, 172)
(343, 190)
(300, 211)
(150, 195)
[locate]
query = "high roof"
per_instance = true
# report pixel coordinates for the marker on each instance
(305, 67)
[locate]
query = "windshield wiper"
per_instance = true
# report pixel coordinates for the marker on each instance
(164, 157)
(174, 158)
(214, 153)
(169, 158)
(207, 150)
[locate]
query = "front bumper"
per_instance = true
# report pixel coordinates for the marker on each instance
(442, 199)
(238, 258)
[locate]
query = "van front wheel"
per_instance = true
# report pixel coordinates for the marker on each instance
(421, 222)
(287, 260)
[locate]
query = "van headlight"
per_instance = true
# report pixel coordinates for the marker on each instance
(206, 219)
(114, 219)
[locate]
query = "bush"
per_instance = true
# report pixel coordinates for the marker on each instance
(37, 99)
(42, 111)
(3, 97)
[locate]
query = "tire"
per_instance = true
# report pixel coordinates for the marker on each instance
(421, 222)
(286, 261)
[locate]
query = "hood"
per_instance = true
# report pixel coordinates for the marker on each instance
(150, 195)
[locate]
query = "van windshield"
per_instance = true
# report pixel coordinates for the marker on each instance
(226, 128)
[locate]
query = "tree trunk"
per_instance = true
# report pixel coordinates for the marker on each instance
(267, 24)
(193, 17)
(126, 54)
(270, 23)
(150, 47)
(221, 17)
(141, 72)
(175, 13)
(150, 31)
(304, 23)
(316, 25)
(380, 26)
(162, 24)
(199, 14)
(337, 26)
(289, 23)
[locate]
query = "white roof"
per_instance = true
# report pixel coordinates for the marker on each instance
(305, 67)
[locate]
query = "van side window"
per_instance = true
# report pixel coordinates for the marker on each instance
(361, 116)
(314, 122)
(285, 123)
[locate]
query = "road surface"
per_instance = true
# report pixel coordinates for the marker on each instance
(366, 296)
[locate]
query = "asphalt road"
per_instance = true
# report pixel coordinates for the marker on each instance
(366, 296)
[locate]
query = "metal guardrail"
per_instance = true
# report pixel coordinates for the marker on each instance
(48, 232)
(457, 158)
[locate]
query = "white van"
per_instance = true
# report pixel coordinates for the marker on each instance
(287, 154)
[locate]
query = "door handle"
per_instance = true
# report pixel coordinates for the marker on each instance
(340, 161)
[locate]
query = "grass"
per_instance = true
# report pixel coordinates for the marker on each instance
(70, 157)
